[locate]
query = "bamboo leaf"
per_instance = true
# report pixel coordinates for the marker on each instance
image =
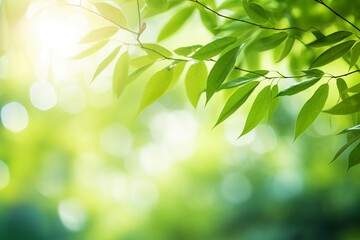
(157, 4)
(342, 88)
(287, 48)
(121, 72)
(156, 51)
(258, 110)
(195, 81)
(214, 48)
(156, 87)
(299, 87)
(355, 54)
(269, 42)
(112, 13)
(313, 72)
(93, 49)
(355, 88)
(343, 148)
(236, 100)
(274, 102)
(311, 110)
(347, 106)
(106, 62)
(330, 39)
(186, 51)
(354, 157)
(332, 54)
(244, 79)
(255, 12)
(133, 76)
(220, 71)
(99, 34)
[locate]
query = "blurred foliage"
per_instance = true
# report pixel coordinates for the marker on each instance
(78, 163)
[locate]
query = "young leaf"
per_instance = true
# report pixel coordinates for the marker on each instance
(156, 87)
(106, 62)
(269, 42)
(311, 110)
(93, 49)
(133, 76)
(195, 81)
(354, 157)
(332, 54)
(347, 106)
(112, 13)
(186, 51)
(258, 110)
(274, 102)
(175, 23)
(287, 48)
(236, 100)
(209, 20)
(156, 4)
(156, 51)
(178, 68)
(214, 48)
(244, 79)
(255, 12)
(343, 148)
(220, 71)
(299, 87)
(313, 72)
(342, 88)
(355, 54)
(99, 34)
(355, 88)
(330, 39)
(121, 72)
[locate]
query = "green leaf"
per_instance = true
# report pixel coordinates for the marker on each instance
(311, 110)
(209, 20)
(195, 81)
(330, 39)
(274, 102)
(93, 49)
(141, 61)
(258, 110)
(106, 62)
(112, 13)
(318, 34)
(133, 76)
(299, 87)
(154, 49)
(269, 42)
(355, 54)
(354, 157)
(343, 148)
(156, 87)
(332, 54)
(287, 48)
(220, 71)
(244, 79)
(313, 72)
(175, 23)
(178, 68)
(342, 88)
(347, 106)
(99, 34)
(255, 12)
(121, 72)
(236, 100)
(355, 88)
(214, 48)
(186, 51)
(156, 4)
(353, 129)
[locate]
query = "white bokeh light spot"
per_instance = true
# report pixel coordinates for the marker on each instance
(43, 95)
(72, 99)
(14, 117)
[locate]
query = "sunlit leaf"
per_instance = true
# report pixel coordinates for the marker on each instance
(99, 34)
(121, 72)
(93, 49)
(195, 81)
(311, 109)
(313, 72)
(299, 87)
(178, 68)
(209, 20)
(354, 157)
(186, 51)
(112, 13)
(353, 129)
(255, 12)
(214, 48)
(156, 87)
(106, 62)
(332, 54)
(343, 148)
(175, 23)
(220, 71)
(342, 88)
(156, 4)
(355, 54)
(236, 100)
(258, 110)
(287, 48)
(244, 79)
(133, 76)
(269, 42)
(156, 51)
(355, 88)
(330, 39)
(274, 102)
(347, 106)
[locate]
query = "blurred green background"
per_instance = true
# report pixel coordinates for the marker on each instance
(75, 163)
